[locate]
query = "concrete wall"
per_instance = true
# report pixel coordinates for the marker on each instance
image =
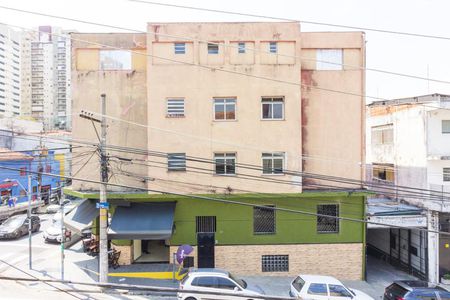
(332, 122)
(126, 98)
(198, 134)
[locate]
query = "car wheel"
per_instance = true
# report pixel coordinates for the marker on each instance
(190, 298)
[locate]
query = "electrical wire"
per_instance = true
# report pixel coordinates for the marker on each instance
(227, 45)
(293, 20)
(225, 201)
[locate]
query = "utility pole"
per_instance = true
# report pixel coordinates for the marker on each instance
(103, 256)
(103, 205)
(30, 227)
(63, 236)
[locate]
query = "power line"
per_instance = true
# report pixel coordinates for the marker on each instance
(293, 20)
(226, 45)
(232, 202)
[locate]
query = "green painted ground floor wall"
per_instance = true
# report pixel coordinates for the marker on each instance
(235, 222)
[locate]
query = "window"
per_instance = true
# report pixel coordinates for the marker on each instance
(272, 108)
(225, 163)
(213, 48)
(264, 220)
(176, 161)
(445, 126)
(446, 173)
(224, 109)
(329, 59)
(175, 108)
(273, 47)
(275, 263)
(205, 224)
(241, 47)
(298, 283)
(338, 291)
(205, 281)
(318, 289)
(273, 163)
(383, 172)
(382, 135)
(223, 283)
(328, 224)
(115, 60)
(180, 48)
(23, 171)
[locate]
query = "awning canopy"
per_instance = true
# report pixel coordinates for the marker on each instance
(143, 221)
(80, 218)
(7, 185)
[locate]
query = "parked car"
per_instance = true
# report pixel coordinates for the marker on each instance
(17, 226)
(216, 281)
(53, 233)
(415, 290)
(53, 208)
(317, 287)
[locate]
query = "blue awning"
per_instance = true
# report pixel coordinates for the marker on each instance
(143, 221)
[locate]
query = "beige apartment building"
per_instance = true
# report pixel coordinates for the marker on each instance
(237, 111)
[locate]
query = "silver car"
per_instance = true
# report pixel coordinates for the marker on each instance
(216, 284)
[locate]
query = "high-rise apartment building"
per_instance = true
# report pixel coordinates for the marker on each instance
(46, 74)
(9, 72)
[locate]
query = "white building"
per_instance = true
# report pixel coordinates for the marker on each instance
(46, 75)
(9, 72)
(408, 145)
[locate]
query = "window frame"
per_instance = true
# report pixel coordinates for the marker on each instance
(227, 101)
(273, 47)
(321, 65)
(226, 156)
(264, 217)
(335, 218)
(23, 171)
(269, 100)
(175, 115)
(176, 48)
(180, 161)
(442, 127)
(210, 49)
(446, 174)
(241, 48)
(273, 156)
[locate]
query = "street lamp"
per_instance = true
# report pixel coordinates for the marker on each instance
(28, 213)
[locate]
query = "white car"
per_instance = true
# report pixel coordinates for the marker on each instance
(316, 287)
(215, 281)
(53, 233)
(53, 208)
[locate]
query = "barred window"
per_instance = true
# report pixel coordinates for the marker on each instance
(175, 107)
(275, 263)
(328, 224)
(225, 163)
(180, 48)
(445, 126)
(264, 220)
(176, 161)
(205, 224)
(241, 47)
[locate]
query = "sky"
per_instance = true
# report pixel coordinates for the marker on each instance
(417, 56)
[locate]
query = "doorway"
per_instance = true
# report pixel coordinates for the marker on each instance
(205, 242)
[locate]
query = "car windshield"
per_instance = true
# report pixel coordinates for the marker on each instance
(13, 222)
(350, 290)
(241, 282)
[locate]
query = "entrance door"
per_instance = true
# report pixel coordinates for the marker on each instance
(205, 243)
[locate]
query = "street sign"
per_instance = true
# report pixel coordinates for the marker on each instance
(104, 205)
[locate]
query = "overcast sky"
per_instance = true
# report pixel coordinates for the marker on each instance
(415, 56)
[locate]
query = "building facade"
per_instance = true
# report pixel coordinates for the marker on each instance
(46, 77)
(420, 123)
(10, 77)
(228, 114)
